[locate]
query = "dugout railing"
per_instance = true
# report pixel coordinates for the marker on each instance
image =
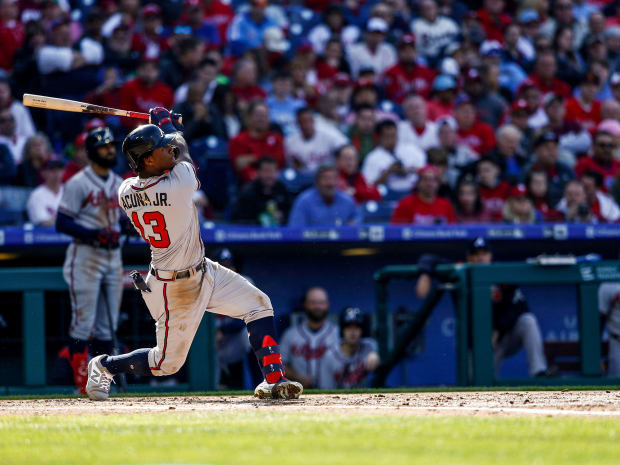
(34, 282)
(470, 286)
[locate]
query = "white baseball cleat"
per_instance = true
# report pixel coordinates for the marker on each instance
(99, 378)
(283, 389)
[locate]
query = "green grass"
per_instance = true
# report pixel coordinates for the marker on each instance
(260, 437)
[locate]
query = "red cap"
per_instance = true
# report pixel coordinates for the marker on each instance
(520, 105)
(429, 169)
(518, 191)
(151, 10)
(304, 47)
(80, 140)
(407, 39)
(342, 79)
(94, 123)
(364, 83)
(259, 2)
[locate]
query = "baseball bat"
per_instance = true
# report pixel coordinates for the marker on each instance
(53, 103)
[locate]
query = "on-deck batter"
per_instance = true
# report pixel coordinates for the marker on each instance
(182, 283)
(89, 213)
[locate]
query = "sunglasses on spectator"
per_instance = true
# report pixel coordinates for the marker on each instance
(606, 145)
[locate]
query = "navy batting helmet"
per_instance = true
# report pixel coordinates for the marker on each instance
(99, 137)
(141, 142)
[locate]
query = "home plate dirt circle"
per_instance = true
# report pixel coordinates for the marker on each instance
(497, 403)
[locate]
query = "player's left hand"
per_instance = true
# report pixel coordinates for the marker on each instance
(161, 117)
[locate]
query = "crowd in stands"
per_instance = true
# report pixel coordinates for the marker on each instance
(307, 112)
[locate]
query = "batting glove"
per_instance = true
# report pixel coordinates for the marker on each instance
(159, 116)
(108, 238)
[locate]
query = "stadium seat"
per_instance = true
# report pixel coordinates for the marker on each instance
(294, 181)
(13, 201)
(377, 212)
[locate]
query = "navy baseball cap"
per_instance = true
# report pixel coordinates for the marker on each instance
(547, 136)
(479, 243)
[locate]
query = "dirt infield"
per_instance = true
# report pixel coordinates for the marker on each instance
(547, 403)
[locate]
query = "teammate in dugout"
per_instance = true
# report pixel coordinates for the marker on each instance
(182, 284)
(609, 309)
(348, 365)
(305, 345)
(89, 213)
(514, 326)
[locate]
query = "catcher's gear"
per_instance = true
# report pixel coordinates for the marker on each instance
(141, 142)
(99, 137)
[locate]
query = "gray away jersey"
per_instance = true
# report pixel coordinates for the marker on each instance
(91, 201)
(305, 349)
(163, 212)
(609, 305)
(339, 371)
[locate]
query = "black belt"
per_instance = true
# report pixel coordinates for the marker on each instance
(96, 244)
(174, 275)
(614, 336)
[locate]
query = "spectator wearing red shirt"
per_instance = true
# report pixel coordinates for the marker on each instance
(544, 78)
(350, 180)
(443, 95)
(492, 20)
(245, 83)
(332, 62)
(424, 207)
(149, 40)
(255, 142)
(79, 159)
(601, 160)
(469, 206)
(220, 14)
(12, 32)
(475, 134)
(406, 76)
(537, 184)
(144, 92)
(584, 108)
(602, 205)
(493, 190)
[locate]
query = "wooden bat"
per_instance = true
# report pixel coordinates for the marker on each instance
(53, 103)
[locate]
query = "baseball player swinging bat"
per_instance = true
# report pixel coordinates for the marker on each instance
(53, 103)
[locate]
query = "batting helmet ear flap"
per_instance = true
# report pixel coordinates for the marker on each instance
(141, 142)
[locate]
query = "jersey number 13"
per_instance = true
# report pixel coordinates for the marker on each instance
(156, 220)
